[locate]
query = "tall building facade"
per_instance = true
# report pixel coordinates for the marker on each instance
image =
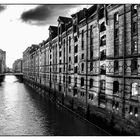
(91, 63)
(2, 61)
(17, 66)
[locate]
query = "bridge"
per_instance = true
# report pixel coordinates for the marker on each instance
(18, 75)
(12, 73)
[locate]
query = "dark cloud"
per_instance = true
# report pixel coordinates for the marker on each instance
(45, 14)
(2, 7)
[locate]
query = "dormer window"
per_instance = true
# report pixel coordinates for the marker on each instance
(134, 9)
(101, 12)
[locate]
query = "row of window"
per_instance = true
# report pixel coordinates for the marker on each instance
(82, 82)
(116, 16)
(90, 96)
(103, 38)
(133, 111)
(134, 66)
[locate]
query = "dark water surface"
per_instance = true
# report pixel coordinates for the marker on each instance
(23, 112)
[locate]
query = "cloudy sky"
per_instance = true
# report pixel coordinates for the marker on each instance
(24, 25)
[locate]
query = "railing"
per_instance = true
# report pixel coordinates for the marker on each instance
(11, 73)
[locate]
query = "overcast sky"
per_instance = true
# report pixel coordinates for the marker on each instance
(24, 25)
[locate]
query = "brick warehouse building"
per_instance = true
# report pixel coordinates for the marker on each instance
(2, 61)
(2, 64)
(90, 63)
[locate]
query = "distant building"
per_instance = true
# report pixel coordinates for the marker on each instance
(9, 70)
(17, 66)
(2, 61)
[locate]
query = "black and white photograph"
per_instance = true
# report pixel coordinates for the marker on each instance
(70, 69)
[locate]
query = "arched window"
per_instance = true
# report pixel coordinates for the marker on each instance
(82, 67)
(134, 89)
(117, 105)
(103, 55)
(91, 83)
(91, 66)
(69, 79)
(69, 67)
(135, 27)
(115, 87)
(75, 81)
(102, 84)
(64, 42)
(136, 112)
(82, 81)
(103, 40)
(76, 49)
(130, 110)
(102, 27)
(82, 56)
(116, 66)
(116, 33)
(75, 69)
(75, 59)
(63, 79)
(134, 66)
(103, 69)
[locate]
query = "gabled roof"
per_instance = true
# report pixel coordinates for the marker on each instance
(85, 12)
(64, 19)
(92, 10)
(47, 40)
(53, 31)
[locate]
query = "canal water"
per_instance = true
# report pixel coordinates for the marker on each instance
(24, 112)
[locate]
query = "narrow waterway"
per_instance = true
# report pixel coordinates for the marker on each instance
(23, 112)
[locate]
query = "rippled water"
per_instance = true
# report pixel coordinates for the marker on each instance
(23, 112)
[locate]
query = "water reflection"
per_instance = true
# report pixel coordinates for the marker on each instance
(23, 112)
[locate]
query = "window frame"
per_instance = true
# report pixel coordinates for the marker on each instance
(82, 81)
(82, 67)
(115, 87)
(134, 66)
(134, 88)
(116, 17)
(91, 83)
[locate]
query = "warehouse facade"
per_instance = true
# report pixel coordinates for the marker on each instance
(2, 61)
(90, 63)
